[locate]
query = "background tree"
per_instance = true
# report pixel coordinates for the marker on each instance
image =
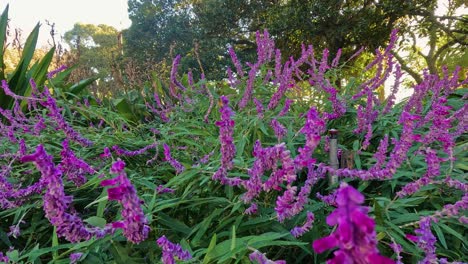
(159, 30)
(97, 52)
(215, 24)
(434, 36)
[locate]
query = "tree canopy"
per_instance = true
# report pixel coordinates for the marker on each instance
(97, 51)
(161, 29)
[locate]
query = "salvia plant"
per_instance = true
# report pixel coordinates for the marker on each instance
(237, 171)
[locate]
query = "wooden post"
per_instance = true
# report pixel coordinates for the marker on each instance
(333, 154)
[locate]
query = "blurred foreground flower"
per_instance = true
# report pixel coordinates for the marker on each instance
(355, 234)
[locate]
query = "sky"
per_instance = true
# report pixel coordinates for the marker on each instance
(25, 14)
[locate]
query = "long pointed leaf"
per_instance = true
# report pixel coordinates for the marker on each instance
(19, 81)
(39, 73)
(3, 27)
(81, 85)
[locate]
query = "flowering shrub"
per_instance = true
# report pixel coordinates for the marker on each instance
(245, 180)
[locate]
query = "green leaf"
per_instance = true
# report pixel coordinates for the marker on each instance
(440, 235)
(19, 81)
(102, 204)
(55, 243)
(3, 28)
(120, 253)
(453, 233)
(13, 255)
(209, 250)
(96, 221)
(81, 85)
(233, 237)
(173, 224)
(203, 226)
(123, 108)
(103, 198)
(356, 145)
(39, 74)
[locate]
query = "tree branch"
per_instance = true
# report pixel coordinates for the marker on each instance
(406, 68)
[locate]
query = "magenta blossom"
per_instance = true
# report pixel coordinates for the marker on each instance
(134, 223)
(355, 235)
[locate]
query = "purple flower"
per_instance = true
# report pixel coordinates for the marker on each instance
(171, 250)
(355, 235)
(236, 62)
(285, 82)
(174, 81)
(328, 199)
(454, 210)
(228, 148)
(259, 107)
(54, 113)
(433, 170)
(106, 154)
(251, 210)
(392, 96)
(226, 131)
(278, 128)
(73, 167)
(59, 69)
(75, 257)
(397, 249)
(265, 47)
(4, 258)
(14, 231)
(268, 159)
(134, 223)
(426, 240)
(312, 129)
(300, 230)
(131, 153)
(206, 158)
(174, 163)
(56, 202)
(162, 189)
(285, 109)
(259, 258)
(381, 153)
(249, 88)
(336, 60)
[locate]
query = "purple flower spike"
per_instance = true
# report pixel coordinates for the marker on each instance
(355, 235)
(426, 240)
(134, 223)
(162, 189)
(278, 128)
(171, 250)
(300, 230)
(259, 107)
(54, 72)
(174, 163)
(73, 167)
(312, 129)
(56, 203)
(228, 149)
